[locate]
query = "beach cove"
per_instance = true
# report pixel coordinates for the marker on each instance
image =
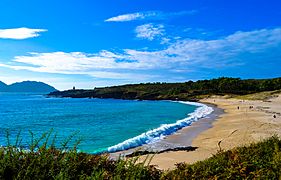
(103, 125)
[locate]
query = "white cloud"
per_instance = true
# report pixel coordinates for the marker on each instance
(179, 57)
(150, 31)
(148, 15)
(129, 17)
(20, 33)
(121, 75)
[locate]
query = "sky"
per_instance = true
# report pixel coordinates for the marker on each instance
(91, 43)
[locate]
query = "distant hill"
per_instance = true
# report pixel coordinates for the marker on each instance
(26, 86)
(190, 91)
(3, 86)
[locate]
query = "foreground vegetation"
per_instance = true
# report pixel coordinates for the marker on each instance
(257, 161)
(45, 161)
(177, 91)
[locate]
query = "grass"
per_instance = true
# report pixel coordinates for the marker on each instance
(258, 161)
(45, 161)
(263, 96)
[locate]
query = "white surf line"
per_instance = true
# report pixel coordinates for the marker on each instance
(165, 129)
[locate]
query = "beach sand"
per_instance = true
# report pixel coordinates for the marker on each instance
(235, 127)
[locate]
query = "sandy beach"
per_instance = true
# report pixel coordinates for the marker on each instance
(236, 127)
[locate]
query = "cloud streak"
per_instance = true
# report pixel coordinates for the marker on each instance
(20, 33)
(179, 57)
(149, 15)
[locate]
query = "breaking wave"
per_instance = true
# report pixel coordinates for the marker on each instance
(164, 130)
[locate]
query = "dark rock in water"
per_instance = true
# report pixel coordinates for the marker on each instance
(27, 86)
(140, 153)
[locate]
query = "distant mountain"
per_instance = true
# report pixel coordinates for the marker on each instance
(26, 86)
(3, 86)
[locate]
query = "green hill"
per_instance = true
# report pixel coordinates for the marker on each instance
(177, 91)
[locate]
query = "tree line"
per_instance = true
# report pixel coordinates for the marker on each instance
(190, 90)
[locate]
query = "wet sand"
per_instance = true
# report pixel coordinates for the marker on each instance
(185, 136)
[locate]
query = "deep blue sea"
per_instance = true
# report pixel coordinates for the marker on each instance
(98, 123)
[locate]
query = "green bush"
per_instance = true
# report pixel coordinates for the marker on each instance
(47, 162)
(257, 161)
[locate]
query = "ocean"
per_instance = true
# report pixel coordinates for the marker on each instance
(100, 125)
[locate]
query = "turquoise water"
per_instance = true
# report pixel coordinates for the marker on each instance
(99, 123)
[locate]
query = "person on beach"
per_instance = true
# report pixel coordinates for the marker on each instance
(238, 107)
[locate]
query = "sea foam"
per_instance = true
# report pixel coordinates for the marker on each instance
(165, 129)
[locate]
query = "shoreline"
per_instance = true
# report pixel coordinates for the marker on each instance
(177, 139)
(146, 140)
(236, 127)
(185, 136)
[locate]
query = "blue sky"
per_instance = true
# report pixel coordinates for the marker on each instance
(100, 43)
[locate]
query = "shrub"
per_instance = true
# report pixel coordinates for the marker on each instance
(258, 161)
